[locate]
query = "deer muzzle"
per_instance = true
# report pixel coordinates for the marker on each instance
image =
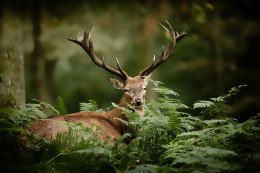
(138, 101)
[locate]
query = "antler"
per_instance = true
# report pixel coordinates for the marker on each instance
(175, 37)
(87, 45)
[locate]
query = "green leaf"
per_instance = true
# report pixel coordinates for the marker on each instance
(90, 106)
(203, 104)
(60, 106)
(165, 91)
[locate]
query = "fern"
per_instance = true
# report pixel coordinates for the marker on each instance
(206, 159)
(96, 151)
(166, 139)
(60, 106)
(165, 92)
(203, 104)
(46, 107)
(25, 114)
(217, 107)
(213, 148)
(149, 168)
(90, 106)
(232, 92)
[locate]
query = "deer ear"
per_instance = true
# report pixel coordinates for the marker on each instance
(116, 83)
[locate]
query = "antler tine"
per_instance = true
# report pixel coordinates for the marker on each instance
(87, 45)
(165, 52)
(120, 69)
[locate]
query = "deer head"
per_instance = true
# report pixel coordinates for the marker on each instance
(134, 88)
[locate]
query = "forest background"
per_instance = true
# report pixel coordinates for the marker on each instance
(220, 51)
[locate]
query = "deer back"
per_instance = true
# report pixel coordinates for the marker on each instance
(109, 128)
(134, 89)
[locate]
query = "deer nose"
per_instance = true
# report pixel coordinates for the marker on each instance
(138, 101)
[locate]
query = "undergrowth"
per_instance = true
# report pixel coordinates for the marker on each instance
(166, 139)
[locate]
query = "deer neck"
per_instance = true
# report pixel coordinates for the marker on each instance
(116, 114)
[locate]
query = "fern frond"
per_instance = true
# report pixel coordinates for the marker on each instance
(90, 106)
(96, 151)
(46, 107)
(165, 139)
(207, 159)
(25, 114)
(233, 91)
(60, 106)
(203, 104)
(165, 92)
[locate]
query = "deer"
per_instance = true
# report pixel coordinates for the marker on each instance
(134, 91)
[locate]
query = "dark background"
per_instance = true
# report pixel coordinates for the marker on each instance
(220, 52)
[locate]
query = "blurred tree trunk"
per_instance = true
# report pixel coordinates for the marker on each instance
(12, 91)
(1, 19)
(211, 31)
(38, 62)
(12, 88)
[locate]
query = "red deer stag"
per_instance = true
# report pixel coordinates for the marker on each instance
(134, 89)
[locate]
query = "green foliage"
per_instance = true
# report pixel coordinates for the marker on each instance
(91, 106)
(26, 114)
(60, 106)
(221, 145)
(217, 107)
(210, 148)
(165, 139)
(78, 152)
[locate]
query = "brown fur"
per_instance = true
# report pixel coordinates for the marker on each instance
(110, 126)
(134, 88)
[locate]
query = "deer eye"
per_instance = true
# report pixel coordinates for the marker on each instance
(126, 90)
(145, 88)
